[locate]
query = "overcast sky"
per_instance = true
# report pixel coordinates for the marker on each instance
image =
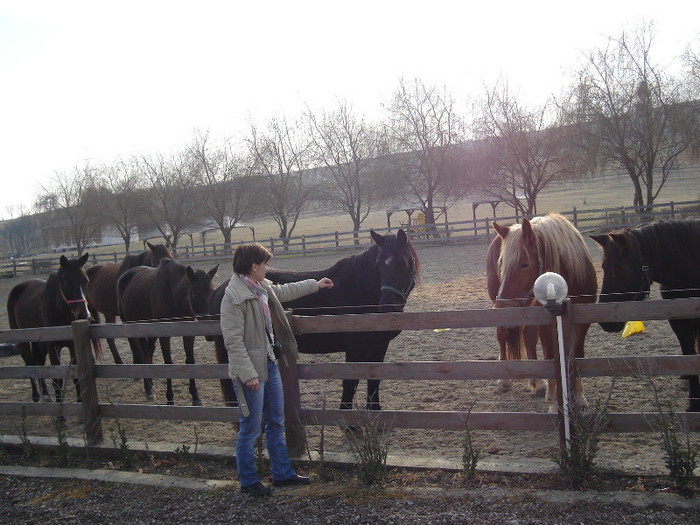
(105, 79)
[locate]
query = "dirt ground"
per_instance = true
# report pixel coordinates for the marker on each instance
(452, 278)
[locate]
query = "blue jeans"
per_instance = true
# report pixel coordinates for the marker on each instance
(267, 401)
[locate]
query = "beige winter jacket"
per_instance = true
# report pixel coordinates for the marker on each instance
(243, 325)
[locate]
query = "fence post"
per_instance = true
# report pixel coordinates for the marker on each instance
(92, 423)
(115, 257)
(622, 214)
(303, 244)
(337, 240)
(575, 217)
(569, 367)
(272, 245)
(294, 426)
(673, 210)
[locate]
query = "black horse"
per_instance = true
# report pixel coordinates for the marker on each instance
(376, 280)
(57, 301)
(102, 286)
(666, 252)
(171, 291)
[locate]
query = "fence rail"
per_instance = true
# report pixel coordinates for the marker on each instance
(439, 233)
(93, 412)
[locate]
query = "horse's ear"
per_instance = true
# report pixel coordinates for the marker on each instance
(528, 234)
(603, 240)
(378, 239)
(213, 271)
(149, 245)
(402, 237)
(502, 231)
(63, 261)
(83, 259)
(190, 273)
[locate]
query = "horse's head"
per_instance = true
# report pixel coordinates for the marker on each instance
(158, 252)
(519, 264)
(398, 269)
(201, 289)
(625, 275)
(71, 281)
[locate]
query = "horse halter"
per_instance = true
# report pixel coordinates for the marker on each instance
(71, 301)
(403, 293)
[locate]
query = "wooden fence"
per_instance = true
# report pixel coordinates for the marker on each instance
(446, 232)
(93, 412)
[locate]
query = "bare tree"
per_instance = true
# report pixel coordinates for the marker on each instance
(169, 201)
(18, 233)
(71, 202)
(118, 190)
(424, 136)
(346, 146)
(527, 148)
(635, 115)
(691, 59)
(225, 183)
(281, 156)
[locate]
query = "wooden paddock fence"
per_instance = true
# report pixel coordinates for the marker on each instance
(93, 412)
(444, 232)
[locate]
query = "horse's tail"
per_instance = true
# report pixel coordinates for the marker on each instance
(514, 342)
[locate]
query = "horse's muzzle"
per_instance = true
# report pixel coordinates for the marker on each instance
(612, 327)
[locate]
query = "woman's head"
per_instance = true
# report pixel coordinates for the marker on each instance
(246, 255)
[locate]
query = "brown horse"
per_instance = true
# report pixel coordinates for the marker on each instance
(171, 291)
(511, 339)
(102, 287)
(546, 244)
(57, 301)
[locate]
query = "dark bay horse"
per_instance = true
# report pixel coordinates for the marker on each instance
(376, 280)
(511, 339)
(546, 244)
(59, 300)
(665, 252)
(171, 291)
(102, 287)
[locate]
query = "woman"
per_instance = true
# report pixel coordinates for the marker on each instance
(252, 319)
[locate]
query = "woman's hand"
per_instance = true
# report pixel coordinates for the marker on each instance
(325, 283)
(253, 384)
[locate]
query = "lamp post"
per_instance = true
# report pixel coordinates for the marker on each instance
(550, 290)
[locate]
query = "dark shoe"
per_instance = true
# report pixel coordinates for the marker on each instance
(258, 490)
(294, 480)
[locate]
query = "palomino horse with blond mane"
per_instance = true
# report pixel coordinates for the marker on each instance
(546, 244)
(511, 339)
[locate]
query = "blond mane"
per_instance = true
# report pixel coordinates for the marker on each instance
(560, 246)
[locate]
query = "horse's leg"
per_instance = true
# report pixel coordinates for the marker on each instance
(140, 351)
(53, 351)
(504, 385)
(167, 359)
(76, 381)
(530, 342)
(110, 342)
(377, 355)
(349, 389)
(227, 392)
(188, 344)
(580, 331)
(547, 341)
(32, 357)
(686, 331)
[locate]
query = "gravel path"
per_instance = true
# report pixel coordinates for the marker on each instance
(40, 500)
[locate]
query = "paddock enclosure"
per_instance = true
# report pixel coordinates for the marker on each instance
(452, 278)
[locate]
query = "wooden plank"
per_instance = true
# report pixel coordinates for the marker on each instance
(41, 409)
(163, 371)
(156, 329)
(641, 366)
(49, 333)
(644, 422)
(431, 370)
(445, 420)
(530, 315)
(92, 423)
(657, 309)
(170, 412)
(38, 372)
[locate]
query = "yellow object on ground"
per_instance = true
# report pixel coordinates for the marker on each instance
(632, 327)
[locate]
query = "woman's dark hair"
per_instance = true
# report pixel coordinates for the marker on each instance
(246, 255)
